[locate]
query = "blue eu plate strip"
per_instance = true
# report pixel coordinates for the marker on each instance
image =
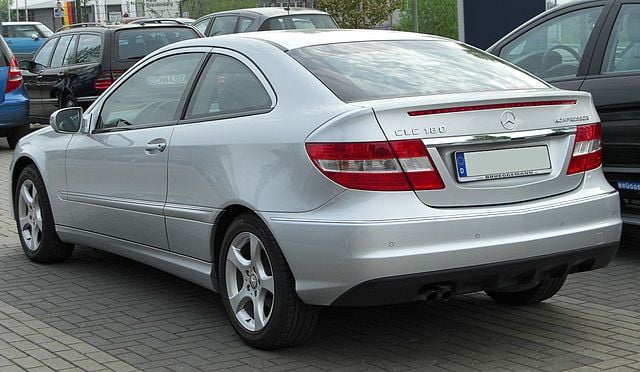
(461, 165)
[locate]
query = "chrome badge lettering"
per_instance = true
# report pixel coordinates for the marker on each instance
(571, 119)
(417, 131)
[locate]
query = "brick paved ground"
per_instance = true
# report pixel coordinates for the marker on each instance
(99, 311)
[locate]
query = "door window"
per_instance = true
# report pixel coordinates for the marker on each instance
(23, 31)
(152, 95)
(554, 48)
(61, 51)
(226, 87)
(623, 49)
(202, 25)
(88, 49)
(44, 55)
(223, 25)
(244, 23)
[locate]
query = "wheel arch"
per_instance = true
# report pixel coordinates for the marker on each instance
(20, 164)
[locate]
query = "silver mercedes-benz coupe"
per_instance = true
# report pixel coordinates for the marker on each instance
(292, 169)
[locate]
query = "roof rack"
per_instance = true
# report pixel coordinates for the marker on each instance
(77, 25)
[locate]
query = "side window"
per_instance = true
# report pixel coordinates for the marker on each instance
(223, 25)
(202, 25)
(227, 86)
(152, 95)
(244, 23)
(71, 51)
(554, 48)
(623, 49)
(61, 51)
(88, 49)
(44, 55)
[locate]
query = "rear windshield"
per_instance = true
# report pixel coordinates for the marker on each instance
(137, 42)
(298, 21)
(369, 70)
(4, 53)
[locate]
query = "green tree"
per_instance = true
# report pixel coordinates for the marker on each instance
(359, 13)
(198, 8)
(436, 17)
(4, 9)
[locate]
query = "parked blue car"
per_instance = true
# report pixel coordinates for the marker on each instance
(14, 102)
(24, 38)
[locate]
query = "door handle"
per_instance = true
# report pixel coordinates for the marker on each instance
(60, 75)
(155, 146)
(39, 77)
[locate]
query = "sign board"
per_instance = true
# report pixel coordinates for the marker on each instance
(483, 22)
(58, 10)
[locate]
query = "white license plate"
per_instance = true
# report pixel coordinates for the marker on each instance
(506, 163)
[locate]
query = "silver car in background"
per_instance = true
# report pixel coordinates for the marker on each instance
(291, 170)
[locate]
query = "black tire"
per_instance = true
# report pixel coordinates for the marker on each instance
(546, 289)
(290, 321)
(47, 246)
(14, 134)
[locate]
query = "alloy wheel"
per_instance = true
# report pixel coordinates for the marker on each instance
(249, 282)
(30, 215)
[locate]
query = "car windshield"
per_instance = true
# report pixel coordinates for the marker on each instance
(136, 43)
(298, 21)
(361, 71)
(44, 30)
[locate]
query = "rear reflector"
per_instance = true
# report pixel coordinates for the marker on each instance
(377, 166)
(492, 107)
(14, 80)
(587, 150)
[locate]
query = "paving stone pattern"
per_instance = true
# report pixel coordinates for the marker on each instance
(98, 311)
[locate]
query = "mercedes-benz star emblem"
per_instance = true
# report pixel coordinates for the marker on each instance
(508, 120)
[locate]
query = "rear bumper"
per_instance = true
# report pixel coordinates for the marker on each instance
(363, 237)
(14, 111)
(524, 273)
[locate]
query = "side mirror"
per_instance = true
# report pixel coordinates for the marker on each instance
(66, 120)
(26, 65)
(35, 37)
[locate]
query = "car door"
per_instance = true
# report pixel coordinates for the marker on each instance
(223, 25)
(23, 39)
(226, 101)
(52, 80)
(614, 82)
(557, 47)
(117, 173)
(33, 75)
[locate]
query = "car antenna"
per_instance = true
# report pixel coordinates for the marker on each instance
(288, 8)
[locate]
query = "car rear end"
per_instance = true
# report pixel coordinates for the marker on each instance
(14, 102)
(129, 44)
(459, 173)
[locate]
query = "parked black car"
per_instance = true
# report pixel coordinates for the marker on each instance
(76, 65)
(263, 19)
(592, 46)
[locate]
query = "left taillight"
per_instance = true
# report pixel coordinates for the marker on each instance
(377, 166)
(587, 149)
(14, 80)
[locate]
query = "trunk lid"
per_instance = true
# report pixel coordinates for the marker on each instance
(505, 147)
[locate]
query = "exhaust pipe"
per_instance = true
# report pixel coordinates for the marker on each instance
(434, 293)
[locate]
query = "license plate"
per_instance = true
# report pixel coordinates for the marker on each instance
(505, 163)
(628, 185)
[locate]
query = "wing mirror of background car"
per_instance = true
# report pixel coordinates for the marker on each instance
(35, 37)
(66, 120)
(26, 65)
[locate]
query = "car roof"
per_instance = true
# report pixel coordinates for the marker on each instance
(110, 28)
(269, 12)
(293, 39)
(21, 23)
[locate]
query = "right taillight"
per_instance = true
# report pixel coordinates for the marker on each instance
(587, 150)
(377, 166)
(106, 78)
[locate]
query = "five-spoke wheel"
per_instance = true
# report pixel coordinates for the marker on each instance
(258, 288)
(29, 215)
